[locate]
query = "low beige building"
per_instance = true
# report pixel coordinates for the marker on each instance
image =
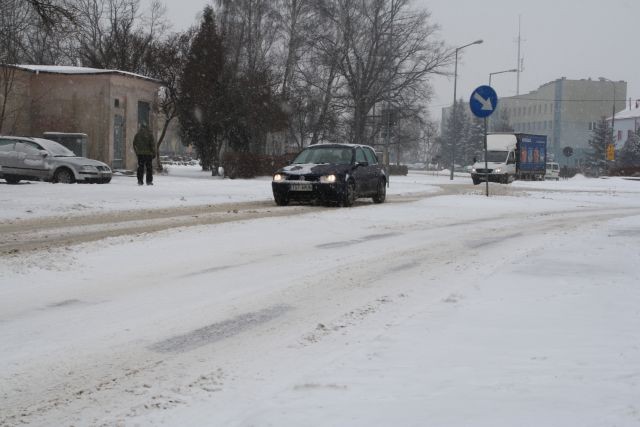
(107, 105)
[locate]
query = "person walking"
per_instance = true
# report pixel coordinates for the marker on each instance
(145, 148)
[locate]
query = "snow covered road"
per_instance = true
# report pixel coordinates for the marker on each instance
(450, 310)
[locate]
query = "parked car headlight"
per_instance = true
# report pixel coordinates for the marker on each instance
(328, 179)
(88, 168)
(497, 170)
(278, 177)
(473, 170)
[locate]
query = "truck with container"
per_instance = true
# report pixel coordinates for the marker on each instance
(511, 156)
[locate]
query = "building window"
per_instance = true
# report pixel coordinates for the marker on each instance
(116, 103)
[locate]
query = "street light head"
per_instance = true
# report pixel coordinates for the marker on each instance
(478, 41)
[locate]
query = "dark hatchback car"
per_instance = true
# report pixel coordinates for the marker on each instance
(326, 173)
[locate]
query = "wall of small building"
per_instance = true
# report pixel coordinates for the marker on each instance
(623, 128)
(125, 94)
(72, 103)
(17, 117)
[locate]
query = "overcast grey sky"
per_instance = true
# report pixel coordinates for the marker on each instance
(562, 38)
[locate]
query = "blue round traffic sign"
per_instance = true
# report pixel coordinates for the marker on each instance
(483, 101)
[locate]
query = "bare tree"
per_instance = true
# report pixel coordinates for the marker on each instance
(52, 12)
(166, 62)
(115, 34)
(314, 79)
(15, 20)
(388, 51)
(250, 30)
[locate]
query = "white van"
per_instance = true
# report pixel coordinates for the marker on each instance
(553, 171)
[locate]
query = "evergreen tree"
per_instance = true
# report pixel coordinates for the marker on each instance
(455, 135)
(630, 153)
(601, 136)
(475, 140)
(252, 112)
(201, 101)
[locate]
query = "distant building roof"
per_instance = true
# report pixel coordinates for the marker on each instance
(631, 112)
(62, 69)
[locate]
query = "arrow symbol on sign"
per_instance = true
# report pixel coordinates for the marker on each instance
(486, 103)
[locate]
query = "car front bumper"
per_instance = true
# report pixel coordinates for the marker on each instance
(309, 191)
(100, 176)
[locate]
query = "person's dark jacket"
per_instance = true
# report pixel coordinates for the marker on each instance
(143, 143)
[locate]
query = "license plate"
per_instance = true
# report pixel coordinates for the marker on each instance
(300, 186)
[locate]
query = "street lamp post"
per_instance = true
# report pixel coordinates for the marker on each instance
(453, 111)
(513, 70)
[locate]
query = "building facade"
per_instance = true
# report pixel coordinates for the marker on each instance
(564, 110)
(626, 122)
(106, 105)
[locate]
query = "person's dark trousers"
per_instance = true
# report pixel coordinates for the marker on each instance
(144, 163)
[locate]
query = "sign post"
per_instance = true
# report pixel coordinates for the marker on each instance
(483, 103)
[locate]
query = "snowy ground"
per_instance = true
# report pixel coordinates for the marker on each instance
(453, 310)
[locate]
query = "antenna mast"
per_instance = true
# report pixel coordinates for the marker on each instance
(519, 63)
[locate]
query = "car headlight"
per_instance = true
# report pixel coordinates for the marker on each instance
(473, 170)
(278, 177)
(88, 168)
(328, 179)
(497, 170)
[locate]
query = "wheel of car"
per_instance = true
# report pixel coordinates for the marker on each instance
(349, 194)
(381, 195)
(63, 176)
(476, 181)
(11, 179)
(105, 181)
(281, 200)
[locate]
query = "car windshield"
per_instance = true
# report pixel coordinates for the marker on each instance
(319, 155)
(55, 149)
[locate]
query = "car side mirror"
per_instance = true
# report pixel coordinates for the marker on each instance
(44, 153)
(362, 163)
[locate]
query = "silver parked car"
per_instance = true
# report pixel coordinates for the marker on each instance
(40, 159)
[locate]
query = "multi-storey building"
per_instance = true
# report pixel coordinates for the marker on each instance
(564, 110)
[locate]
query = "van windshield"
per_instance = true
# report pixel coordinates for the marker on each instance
(495, 156)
